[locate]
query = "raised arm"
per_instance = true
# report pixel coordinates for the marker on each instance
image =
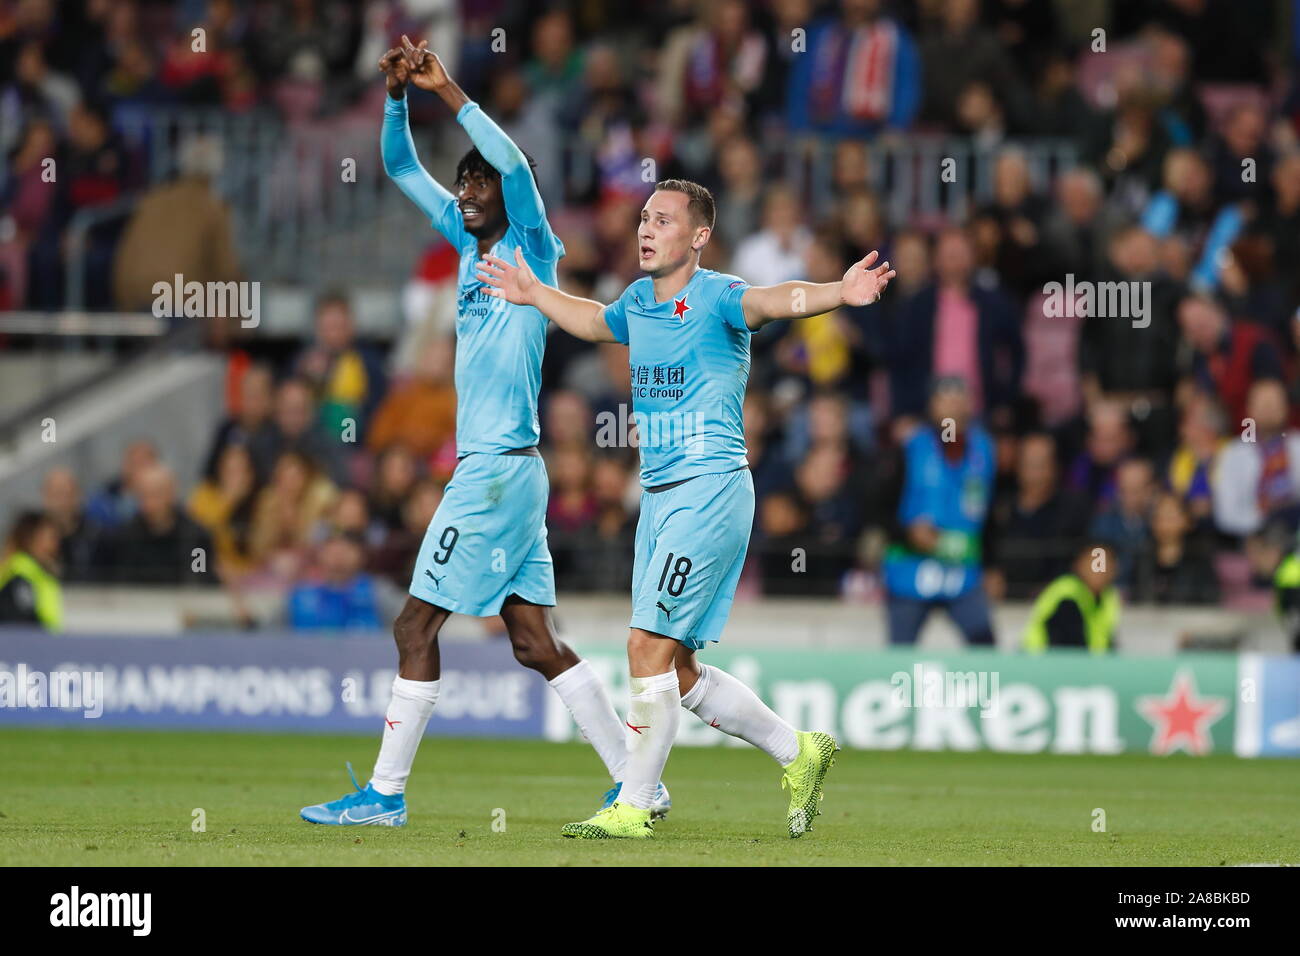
(861, 285)
(583, 318)
(518, 189)
(400, 161)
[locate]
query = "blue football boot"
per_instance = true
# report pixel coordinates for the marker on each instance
(366, 807)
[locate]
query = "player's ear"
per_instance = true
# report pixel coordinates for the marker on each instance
(701, 238)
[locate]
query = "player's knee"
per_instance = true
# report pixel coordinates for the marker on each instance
(540, 652)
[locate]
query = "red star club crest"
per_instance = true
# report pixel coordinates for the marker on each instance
(680, 308)
(1181, 718)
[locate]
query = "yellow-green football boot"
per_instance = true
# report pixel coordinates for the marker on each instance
(804, 776)
(618, 821)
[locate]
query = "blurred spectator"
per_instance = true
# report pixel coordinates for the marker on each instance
(1193, 467)
(79, 536)
(767, 463)
(935, 563)
(1243, 138)
(91, 172)
(1033, 527)
(839, 85)
(339, 596)
(1259, 473)
(30, 592)
(1249, 286)
(1176, 568)
(161, 544)
(350, 514)
(829, 352)
(286, 511)
(600, 555)
(953, 327)
(739, 196)
(42, 90)
(394, 558)
(346, 377)
(115, 503)
(223, 505)
(1109, 441)
(782, 536)
(297, 430)
(1079, 609)
(776, 252)
(556, 67)
(1020, 214)
(1226, 356)
(959, 52)
(568, 419)
(395, 476)
(1186, 208)
(420, 412)
(1126, 521)
(716, 60)
(833, 511)
(1280, 222)
(250, 425)
(572, 503)
(179, 228)
(1128, 357)
(1071, 231)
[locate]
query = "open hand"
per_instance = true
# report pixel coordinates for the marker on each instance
(514, 283)
(863, 285)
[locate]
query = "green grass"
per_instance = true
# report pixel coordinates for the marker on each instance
(89, 798)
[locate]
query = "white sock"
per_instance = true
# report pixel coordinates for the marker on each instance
(653, 718)
(721, 701)
(582, 692)
(408, 714)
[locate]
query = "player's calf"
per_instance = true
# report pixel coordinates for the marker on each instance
(415, 631)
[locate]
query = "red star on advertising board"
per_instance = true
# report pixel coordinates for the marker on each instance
(679, 308)
(1182, 719)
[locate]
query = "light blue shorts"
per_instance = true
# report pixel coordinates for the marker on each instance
(690, 547)
(488, 538)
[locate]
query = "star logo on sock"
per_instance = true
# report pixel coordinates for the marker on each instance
(391, 723)
(639, 729)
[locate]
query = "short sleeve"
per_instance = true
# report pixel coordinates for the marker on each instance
(728, 303)
(616, 317)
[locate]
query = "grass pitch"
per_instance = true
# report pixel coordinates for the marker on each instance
(124, 798)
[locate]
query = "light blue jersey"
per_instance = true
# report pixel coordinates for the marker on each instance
(487, 539)
(689, 358)
(499, 345)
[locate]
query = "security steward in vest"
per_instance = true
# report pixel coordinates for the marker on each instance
(30, 592)
(1080, 608)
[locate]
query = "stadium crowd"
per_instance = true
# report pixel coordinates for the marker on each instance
(1162, 431)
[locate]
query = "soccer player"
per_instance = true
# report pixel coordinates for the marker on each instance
(485, 550)
(688, 333)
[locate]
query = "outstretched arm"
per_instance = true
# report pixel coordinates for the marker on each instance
(861, 285)
(518, 189)
(400, 161)
(584, 318)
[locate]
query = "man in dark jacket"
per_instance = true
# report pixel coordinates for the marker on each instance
(953, 327)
